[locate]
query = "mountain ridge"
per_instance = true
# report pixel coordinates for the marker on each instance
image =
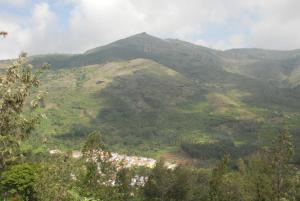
(248, 62)
(149, 95)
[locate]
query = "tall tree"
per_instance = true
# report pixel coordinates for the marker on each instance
(16, 120)
(217, 180)
(269, 174)
(258, 177)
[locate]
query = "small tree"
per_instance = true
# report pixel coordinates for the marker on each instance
(100, 171)
(55, 178)
(98, 164)
(19, 179)
(159, 183)
(123, 184)
(182, 185)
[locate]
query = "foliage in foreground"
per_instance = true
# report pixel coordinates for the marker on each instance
(266, 175)
(15, 122)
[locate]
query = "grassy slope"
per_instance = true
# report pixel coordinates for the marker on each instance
(185, 93)
(143, 107)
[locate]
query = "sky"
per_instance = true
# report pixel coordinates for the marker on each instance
(74, 26)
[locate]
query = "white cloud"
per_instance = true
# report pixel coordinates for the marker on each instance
(202, 43)
(235, 41)
(44, 30)
(278, 27)
(94, 22)
(34, 35)
(98, 22)
(263, 23)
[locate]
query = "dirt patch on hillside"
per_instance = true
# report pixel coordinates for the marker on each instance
(179, 158)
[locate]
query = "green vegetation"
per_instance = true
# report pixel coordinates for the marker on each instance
(136, 91)
(266, 174)
(137, 105)
(20, 179)
(217, 150)
(15, 122)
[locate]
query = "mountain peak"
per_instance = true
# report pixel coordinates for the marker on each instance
(142, 35)
(137, 41)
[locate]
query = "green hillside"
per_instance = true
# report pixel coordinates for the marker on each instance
(148, 96)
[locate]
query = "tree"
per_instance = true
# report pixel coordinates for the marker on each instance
(98, 164)
(201, 191)
(55, 178)
(183, 184)
(16, 120)
(19, 180)
(159, 183)
(123, 184)
(269, 174)
(283, 171)
(217, 180)
(100, 170)
(258, 177)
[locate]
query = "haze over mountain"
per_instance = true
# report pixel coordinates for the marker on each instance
(148, 95)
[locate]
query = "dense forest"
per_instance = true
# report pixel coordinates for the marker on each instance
(255, 174)
(218, 149)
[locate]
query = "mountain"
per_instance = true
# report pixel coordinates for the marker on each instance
(280, 67)
(149, 95)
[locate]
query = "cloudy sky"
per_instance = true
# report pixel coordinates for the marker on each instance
(73, 26)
